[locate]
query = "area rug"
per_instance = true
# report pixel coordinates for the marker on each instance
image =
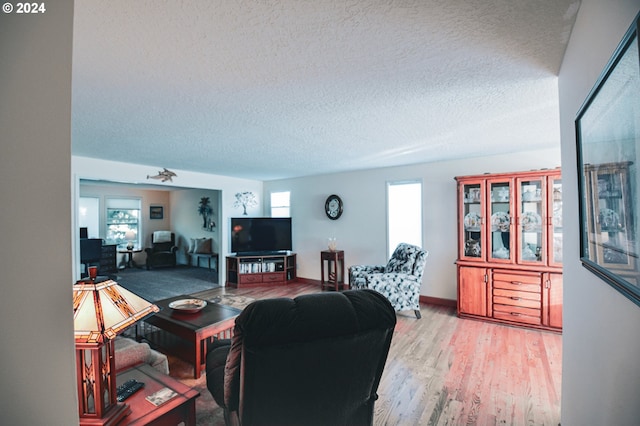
(162, 283)
(235, 301)
(208, 413)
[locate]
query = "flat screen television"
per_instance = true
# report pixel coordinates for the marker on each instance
(260, 235)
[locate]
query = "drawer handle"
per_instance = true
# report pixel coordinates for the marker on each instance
(514, 298)
(515, 314)
(516, 283)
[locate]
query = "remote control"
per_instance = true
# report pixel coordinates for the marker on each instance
(129, 391)
(126, 385)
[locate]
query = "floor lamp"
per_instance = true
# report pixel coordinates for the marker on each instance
(101, 310)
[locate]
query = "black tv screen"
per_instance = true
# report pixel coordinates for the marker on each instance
(260, 234)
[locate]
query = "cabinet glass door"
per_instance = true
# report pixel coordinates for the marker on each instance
(531, 247)
(555, 222)
(499, 241)
(472, 195)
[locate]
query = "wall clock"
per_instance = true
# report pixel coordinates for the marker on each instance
(333, 207)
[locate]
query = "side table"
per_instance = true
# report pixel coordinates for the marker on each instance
(129, 262)
(334, 261)
(180, 408)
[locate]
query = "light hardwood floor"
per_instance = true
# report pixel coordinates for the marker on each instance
(443, 370)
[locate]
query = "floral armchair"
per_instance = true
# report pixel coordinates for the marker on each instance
(399, 280)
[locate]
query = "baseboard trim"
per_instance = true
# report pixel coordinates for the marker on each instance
(427, 300)
(308, 281)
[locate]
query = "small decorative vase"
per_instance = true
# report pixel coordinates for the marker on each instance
(332, 244)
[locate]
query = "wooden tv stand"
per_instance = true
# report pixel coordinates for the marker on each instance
(261, 270)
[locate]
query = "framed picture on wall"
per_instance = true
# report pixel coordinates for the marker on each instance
(608, 131)
(156, 212)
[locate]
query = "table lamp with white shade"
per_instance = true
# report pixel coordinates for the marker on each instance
(130, 236)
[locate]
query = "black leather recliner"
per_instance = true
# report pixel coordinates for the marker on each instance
(161, 253)
(313, 360)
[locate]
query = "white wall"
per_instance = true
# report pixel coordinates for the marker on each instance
(37, 385)
(601, 344)
(361, 230)
(187, 223)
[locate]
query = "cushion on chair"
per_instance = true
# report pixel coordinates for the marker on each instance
(162, 237)
(128, 353)
(403, 259)
(203, 246)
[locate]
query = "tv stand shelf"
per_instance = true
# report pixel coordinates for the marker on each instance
(260, 270)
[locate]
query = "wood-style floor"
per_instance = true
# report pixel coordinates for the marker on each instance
(443, 370)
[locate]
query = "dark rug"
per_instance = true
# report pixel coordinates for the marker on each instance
(161, 283)
(208, 413)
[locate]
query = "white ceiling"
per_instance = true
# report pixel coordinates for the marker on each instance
(269, 89)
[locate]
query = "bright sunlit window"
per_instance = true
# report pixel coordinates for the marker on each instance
(123, 215)
(404, 214)
(280, 204)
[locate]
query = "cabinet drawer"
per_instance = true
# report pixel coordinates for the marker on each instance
(516, 310)
(518, 295)
(272, 277)
(511, 313)
(517, 285)
(250, 278)
(514, 298)
(517, 279)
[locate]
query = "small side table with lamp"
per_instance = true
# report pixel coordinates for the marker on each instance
(101, 310)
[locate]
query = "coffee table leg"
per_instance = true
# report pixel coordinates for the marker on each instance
(198, 358)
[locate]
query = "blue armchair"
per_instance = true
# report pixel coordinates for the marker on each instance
(399, 280)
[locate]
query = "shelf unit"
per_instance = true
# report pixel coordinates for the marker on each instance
(248, 271)
(510, 248)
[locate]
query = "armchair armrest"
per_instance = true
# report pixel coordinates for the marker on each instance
(366, 269)
(358, 274)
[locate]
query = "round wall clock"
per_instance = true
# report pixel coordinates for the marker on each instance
(333, 207)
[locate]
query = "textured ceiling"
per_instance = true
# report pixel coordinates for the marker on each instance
(273, 89)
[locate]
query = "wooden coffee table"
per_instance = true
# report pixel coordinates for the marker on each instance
(186, 335)
(180, 408)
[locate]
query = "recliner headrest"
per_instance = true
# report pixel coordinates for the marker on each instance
(276, 321)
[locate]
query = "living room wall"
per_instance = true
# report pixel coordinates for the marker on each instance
(361, 230)
(601, 349)
(38, 385)
(187, 223)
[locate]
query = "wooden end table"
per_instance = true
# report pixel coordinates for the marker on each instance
(180, 408)
(186, 335)
(334, 262)
(128, 261)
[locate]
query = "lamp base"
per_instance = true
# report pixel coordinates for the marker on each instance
(111, 418)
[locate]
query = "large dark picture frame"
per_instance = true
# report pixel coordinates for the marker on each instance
(608, 146)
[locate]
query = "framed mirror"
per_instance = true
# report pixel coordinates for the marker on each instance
(608, 143)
